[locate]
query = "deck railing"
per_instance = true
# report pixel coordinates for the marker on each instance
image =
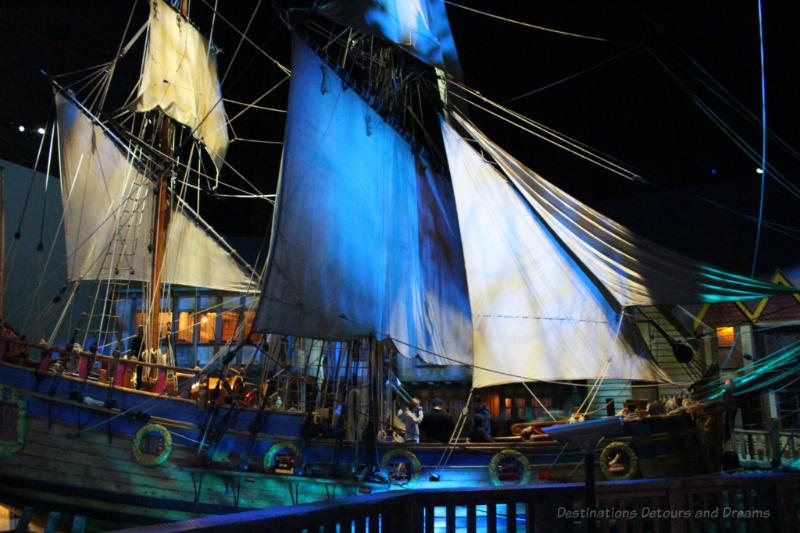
(752, 503)
(760, 446)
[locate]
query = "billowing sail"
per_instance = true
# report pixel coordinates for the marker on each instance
(365, 235)
(108, 216)
(419, 26)
(535, 313)
(180, 77)
(634, 270)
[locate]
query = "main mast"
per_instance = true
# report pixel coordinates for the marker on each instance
(159, 227)
(159, 230)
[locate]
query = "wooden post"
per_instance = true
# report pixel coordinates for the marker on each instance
(83, 366)
(2, 244)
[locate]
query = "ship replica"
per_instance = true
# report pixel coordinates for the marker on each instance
(399, 230)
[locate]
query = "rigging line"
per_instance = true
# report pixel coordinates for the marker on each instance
(91, 85)
(527, 25)
(787, 231)
(40, 283)
(538, 401)
(636, 177)
(457, 429)
(277, 63)
(763, 140)
(256, 141)
(268, 197)
(748, 150)
(166, 157)
(222, 242)
(46, 183)
(18, 233)
(566, 139)
(145, 28)
(554, 142)
(472, 365)
(752, 153)
(747, 115)
(740, 108)
(575, 75)
(213, 22)
(262, 108)
(113, 66)
(264, 95)
(242, 36)
(244, 192)
(93, 69)
(571, 141)
(702, 106)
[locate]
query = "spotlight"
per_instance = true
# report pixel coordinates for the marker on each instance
(759, 171)
(21, 128)
(40, 131)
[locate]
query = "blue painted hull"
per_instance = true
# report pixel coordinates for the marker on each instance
(78, 458)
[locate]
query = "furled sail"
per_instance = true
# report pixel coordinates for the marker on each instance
(180, 77)
(108, 216)
(535, 314)
(365, 236)
(419, 26)
(636, 271)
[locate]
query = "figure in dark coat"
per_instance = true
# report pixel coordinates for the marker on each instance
(479, 433)
(437, 424)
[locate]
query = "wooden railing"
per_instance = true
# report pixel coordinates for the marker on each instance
(752, 503)
(760, 446)
(83, 360)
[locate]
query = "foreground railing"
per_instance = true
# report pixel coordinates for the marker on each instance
(759, 502)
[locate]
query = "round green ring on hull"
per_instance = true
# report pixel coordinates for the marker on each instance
(147, 459)
(503, 455)
(416, 466)
(610, 452)
(269, 457)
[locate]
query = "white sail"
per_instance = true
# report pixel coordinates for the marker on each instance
(419, 26)
(365, 237)
(634, 270)
(180, 77)
(535, 314)
(109, 213)
(193, 257)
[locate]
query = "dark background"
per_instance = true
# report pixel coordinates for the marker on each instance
(640, 109)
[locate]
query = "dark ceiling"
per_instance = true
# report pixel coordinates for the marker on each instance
(635, 96)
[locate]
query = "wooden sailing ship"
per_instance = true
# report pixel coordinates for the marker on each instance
(392, 236)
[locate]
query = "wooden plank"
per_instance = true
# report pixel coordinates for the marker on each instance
(52, 522)
(359, 524)
(491, 517)
(622, 525)
(450, 523)
(733, 502)
(677, 503)
(24, 520)
(530, 517)
(748, 504)
(44, 458)
(78, 524)
(429, 511)
(511, 517)
(472, 521)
